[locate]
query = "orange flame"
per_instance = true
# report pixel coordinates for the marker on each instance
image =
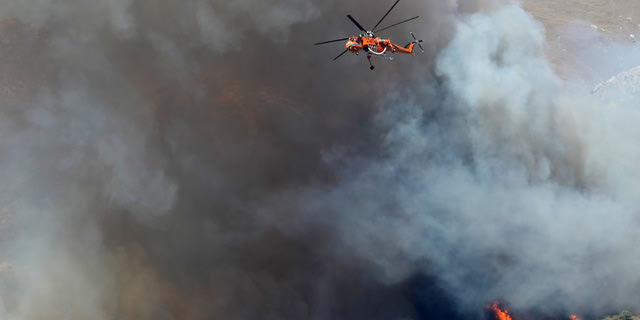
(501, 314)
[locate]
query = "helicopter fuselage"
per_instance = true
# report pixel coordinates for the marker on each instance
(375, 46)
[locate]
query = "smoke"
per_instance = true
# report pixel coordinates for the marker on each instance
(202, 160)
(515, 185)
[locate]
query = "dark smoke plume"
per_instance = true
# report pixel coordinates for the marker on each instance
(202, 160)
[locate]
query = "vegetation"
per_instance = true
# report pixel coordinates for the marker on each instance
(624, 315)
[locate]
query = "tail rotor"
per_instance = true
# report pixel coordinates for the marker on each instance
(418, 42)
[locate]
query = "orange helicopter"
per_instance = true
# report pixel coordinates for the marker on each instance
(375, 46)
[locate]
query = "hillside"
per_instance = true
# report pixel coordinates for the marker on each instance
(580, 30)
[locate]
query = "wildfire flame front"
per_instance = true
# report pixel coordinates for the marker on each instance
(500, 314)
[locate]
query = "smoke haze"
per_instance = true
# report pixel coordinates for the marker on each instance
(201, 160)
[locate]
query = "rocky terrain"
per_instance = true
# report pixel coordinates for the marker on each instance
(627, 81)
(616, 18)
(579, 31)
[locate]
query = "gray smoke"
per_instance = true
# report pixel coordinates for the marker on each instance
(201, 160)
(515, 186)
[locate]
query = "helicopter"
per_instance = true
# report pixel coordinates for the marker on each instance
(375, 46)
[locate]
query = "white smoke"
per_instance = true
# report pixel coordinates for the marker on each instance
(519, 186)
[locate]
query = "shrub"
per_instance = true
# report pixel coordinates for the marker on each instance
(625, 315)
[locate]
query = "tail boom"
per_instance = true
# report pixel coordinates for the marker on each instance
(406, 50)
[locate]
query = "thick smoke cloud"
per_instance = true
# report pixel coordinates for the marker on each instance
(201, 160)
(516, 186)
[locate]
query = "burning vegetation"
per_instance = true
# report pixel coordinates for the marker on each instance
(499, 312)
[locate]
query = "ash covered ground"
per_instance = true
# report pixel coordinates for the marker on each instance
(202, 160)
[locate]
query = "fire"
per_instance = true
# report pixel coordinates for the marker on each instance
(501, 314)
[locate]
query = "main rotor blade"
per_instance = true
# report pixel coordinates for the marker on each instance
(385, 15)
(340, 55)
(356, 23)
(395, 24)
(336, 40)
